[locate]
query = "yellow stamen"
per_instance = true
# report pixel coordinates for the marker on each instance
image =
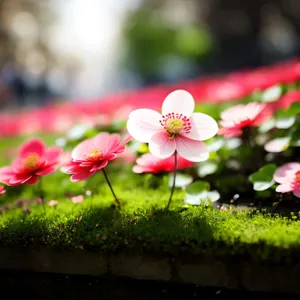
(31, 162)
(94, 154)
(174, 126)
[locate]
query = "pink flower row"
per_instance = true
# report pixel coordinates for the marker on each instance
(178, 130)
(231, 87)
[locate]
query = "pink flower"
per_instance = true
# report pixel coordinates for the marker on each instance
(277, 145)
(34, 160)
(52, 202)
(2, 190)
(241, 116)
(148, 163)
(177, 129)
(127, 157)
(77, 199)
(92, 155)
(288, 176)
(286, 100)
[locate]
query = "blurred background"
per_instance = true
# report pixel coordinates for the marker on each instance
(78, 50)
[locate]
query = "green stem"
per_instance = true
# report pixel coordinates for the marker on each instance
(174, 180)
(110, 186)
(41, 192)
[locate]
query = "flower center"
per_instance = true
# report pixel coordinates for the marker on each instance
(94, 155)
(173, 124)
(31, 162)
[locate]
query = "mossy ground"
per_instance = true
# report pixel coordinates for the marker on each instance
(141, 222)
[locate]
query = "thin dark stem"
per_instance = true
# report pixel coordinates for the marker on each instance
(41, 192)
(109, 184)
(174, 180)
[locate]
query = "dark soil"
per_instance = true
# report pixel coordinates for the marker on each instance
(24, 285)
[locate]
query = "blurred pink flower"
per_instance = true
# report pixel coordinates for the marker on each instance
(286, 100)
(236, 118)
(148, 163)
(2, 190)
(277, 145)
(92, 155)
(52, 202)
(288, 177)
(178, 129)
(5, 208)
(34, 160)
(127, 156)
(77, 199)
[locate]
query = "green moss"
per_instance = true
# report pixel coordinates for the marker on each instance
(142, 222)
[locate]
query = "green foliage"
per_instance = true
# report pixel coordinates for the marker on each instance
(263, 178)
(197, 187)
(292, 111)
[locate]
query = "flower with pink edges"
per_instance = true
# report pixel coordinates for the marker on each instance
(236, 118)
(288, 177)
(148, 163)
(2, 190)
(52, 203)
(93, 155)
(34, 160)
(176, 129)
(77, 199)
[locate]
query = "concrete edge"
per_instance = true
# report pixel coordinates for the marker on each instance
(206, 271)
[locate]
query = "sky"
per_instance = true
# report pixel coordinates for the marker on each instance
(93, 34)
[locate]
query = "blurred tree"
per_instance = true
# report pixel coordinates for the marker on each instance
(213, 36)
(156, 34)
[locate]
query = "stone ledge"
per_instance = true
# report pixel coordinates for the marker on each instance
(206, 271)
(140, 267)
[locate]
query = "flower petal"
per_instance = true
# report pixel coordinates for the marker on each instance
(161, 145)
(191, 150)
(45, 171)
(110, 156)
(81, 176)
(286, 172)
(52, 155)
(100, 166)
(18, 179)
(179, 101)
(297, 193)
(139, 169)
(5, 174)
(203, 127)
(32, 180)
(81, 149)
(32, 146)
(143, 123)
(284, 188)
(106, 142)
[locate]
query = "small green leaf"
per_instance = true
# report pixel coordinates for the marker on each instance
(284, 123)
(207, 168)
(263, 178)
(267, 126)
(271, 94)
(182, 180)
(233, 143)
(204, 196)
(262, 185)
(292, 111)
(197, 187)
